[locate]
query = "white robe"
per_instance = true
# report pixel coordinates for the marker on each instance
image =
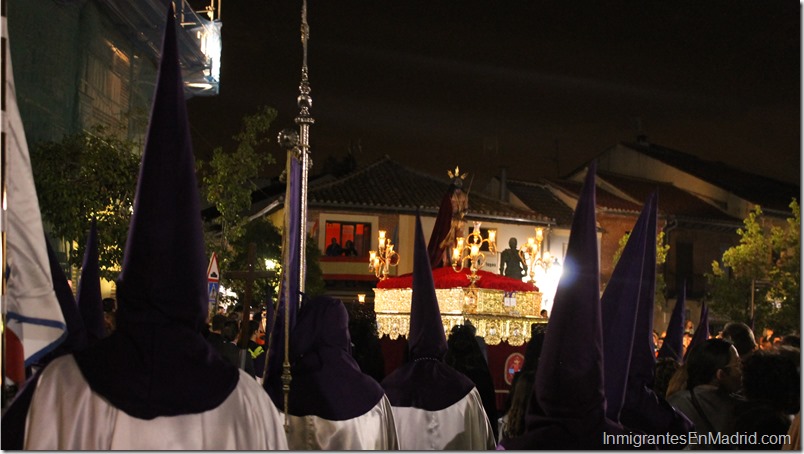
(374, 430)
(461, 426)
(65, 414)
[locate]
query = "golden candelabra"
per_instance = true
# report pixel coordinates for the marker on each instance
(531, 254)
(381, 260)
(467, 252)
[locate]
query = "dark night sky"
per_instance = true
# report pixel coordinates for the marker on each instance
(554, 83)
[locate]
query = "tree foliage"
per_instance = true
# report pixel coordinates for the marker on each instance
(769, 256)
(340, 166)
(268, 239)
(228, 184)
(85, 175)
(228, 181)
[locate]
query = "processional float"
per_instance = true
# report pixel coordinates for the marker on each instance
(500, 308)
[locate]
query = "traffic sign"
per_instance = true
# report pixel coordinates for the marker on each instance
(213, 273)
(213, 279)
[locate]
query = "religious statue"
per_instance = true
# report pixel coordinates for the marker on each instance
(449, 223)
(511, 263)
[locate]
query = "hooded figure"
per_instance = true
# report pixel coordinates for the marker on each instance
(701, 333)
(619, 304)
(77, 338)
(13, 422)
(332, 405)
(435, 406)
(673, 345)
(630, 366)
(89, 301)
(155, 383)
(569, 411)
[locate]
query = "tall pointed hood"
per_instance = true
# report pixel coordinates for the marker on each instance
(165, 238)
(427, 338)
(76, 331)
(643, 356)
(619, 305)
(90, 302)
(701, 333)
(569, 380)
(425, 382)
(673, 346)
(642, 408)
(569, 388)
(156, 363)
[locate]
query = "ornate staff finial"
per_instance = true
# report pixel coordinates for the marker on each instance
(305, 30)
(304, 100)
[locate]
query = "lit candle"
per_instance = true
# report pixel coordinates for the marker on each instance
(382, 236)
(539, 234)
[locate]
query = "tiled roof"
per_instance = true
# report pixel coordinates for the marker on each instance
(605, 199)
(767, 192)
(673, 201)
(387, 185)
(542, 200)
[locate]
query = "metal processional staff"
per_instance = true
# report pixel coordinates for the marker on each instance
(294, 235)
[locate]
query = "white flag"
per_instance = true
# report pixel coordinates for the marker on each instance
(34, 321)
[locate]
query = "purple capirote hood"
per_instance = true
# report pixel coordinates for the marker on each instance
(157, 363)
(570, 410)
(89, 299)
(327, 382)
(425, 382)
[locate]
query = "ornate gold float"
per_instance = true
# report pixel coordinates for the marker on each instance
(499, 314)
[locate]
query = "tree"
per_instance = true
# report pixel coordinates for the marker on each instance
(228, 181)
(85, 175)
(661, 256)
(769, 257)
(228, 184)
(340, 166)
(268, 240)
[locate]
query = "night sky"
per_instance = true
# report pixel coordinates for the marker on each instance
(435, 84)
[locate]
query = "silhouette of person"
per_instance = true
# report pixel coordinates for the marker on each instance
(334, 249)
(349, 249)
(511, 264)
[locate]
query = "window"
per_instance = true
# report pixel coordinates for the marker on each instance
(346, 234)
